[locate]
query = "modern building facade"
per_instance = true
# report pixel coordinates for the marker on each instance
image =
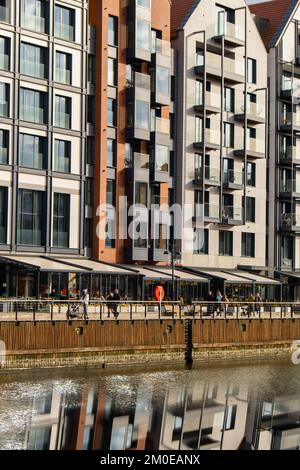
(279, 27)
(220, 147)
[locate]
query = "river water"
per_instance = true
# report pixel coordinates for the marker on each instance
(246, 405)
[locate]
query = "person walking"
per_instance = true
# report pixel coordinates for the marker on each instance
(117, 299)
(110, 303)
(85, 299)
(225, 303)
(251, 306)
(258, 303)
(219, 298)
(210, 304)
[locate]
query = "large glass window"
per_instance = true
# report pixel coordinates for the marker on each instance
(4, 53)
(250, 208)
(199, 93)
(229, 100)
(252, 71)
(142, 115)
(162, 156)
(90, 150)
(63, 112)
(110, 214)
(32, 106)
(62, 156)
(33, 60)
(143, 3)
(228, 135)
(199, 129)
(141, 194)
(4, 99)
(63, 68)
(248, 245)
(89, 192)
(29, 217)
(162, 241)
(225, 243)
(111, 112)
(3, 214)
(162, 80)
(4, 146)
(251, 174)
(112, 31)
(33, 15)
(287, 250)
(112, 72)
(92, 68)
(61, 220)
(64, 23)
(4, 11)
(199, 57)
(201, 241)
(32, 151)
(111, 153)
(143, 35)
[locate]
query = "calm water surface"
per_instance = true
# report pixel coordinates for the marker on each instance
(217, 406)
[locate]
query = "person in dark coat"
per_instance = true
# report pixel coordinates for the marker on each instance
(117, 298)
(211, 305)
(110, 303)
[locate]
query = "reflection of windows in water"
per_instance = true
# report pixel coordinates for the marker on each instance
(39, 438)
(121, 435)
(212, 391)
(230, 418)
(233, 390)
(42, 404)
(266, 409)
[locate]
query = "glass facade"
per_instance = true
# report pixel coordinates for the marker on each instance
(4, 99)
(62, 156)
(33, 60)
(64, 23)
(63, 112)
(63, 67)
(201, 241)
(3, 214)
(61, 220)
(112, 31)
(162, 80)
(110, 153)
(142, 115)
(32, 151)
(248, 245)
(111, 112)
(4, 53)
(4, 146)
(162, 155)
(34, 15)
(30, 217)
(143, 35)
(225, 243)
(32, 106)
(110, 228)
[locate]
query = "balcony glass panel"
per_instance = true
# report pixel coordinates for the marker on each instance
(233, 213)
(34, 23)
(32, 114)
(62, 120)
(210, 174)
(141, 160)
(162, 155)
(229, 29)
(163, 48)
(162, 126)
(289, 220)
(289, 186)
(34, 69)
(211, 211)
(234, 177)
(4, 14)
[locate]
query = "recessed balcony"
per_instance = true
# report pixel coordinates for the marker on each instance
(234, 35)
(289, 155)
(212, 104)
(206, 213)
(289, 188)
(255, 149)
(211, 176)
(233, 69)
(290, 122)
(232, 215)
(212, 140)
(290, 88)
(290, 222)
(233, 179)
(254, 112)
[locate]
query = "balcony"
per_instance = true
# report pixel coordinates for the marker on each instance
(4, 109)
(4, 62)
(290, 122)
(289, 155)
(4, 14)
(255, 149)
(64, 31)
(162, 53)
(3, 155)
(139, 168)
(212, 104)
(63, 120)
(206, 213)
(33, 22)
(290, 89)
(233, 179)
(290, 222)
(234, 35)
(212, 140)
(211, 176)
(33, 69)
(32, 114)
(232, 215)
(289, 188)
(233, 69)
(63, 76)
(160, 132)
(254, 112)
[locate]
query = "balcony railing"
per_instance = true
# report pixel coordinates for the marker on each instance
(61, 239)
(234, 66)
(4, 62)
(34, 69)
(254, 109)
(233, 177)
(290, 152)
(64, 31)
(290, 220)
(62, 164)
(62, 120)
(211, 99)
(4, 109)
(141, 161)
(163, 48)
(35, 23)
(223, 27)
(232, 213)
(291, 87)
(211, 211)
(31, 160)
(289, 186)
(63, 76)
(4, 14)
(29, 237)
(210, 174)
(255, 145)
(3, 155)
(32, 114)
(290, 119)
(162, 126)
(140, 80)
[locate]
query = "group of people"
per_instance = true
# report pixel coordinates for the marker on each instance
(113, 300)
(220, 303)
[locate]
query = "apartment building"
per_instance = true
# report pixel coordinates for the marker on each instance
(279, 27)
(44, 163)
(133, 147)
(220, 150)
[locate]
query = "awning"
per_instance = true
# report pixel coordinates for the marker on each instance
(257, 278)
(94, 266)
(183, 275)
(40, 263)
(225, 276)
(151, 274)
(294, 274)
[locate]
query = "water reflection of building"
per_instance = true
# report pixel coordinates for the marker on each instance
(205, 416)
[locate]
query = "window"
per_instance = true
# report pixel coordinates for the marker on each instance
(32, 151)
(229, 100)
(142, 115)
(64, 23)
(199, 57)
(110, 214)
(33, 106)
(112, 31)
(88, 232)
(143, 3)
(91, 69)
(199, 130)
(251, 132)
(33, 15)
(3, 214)
(63, 112)
(143, 35)
(111, 112)
(4, 146)
(200, 241)
(63, 68)
(250, 208)
(228, 135)
(62, 156)
(162, 80)
(61, 220)
(161, 241)
(251, 174)
(251, 70)
(89, 192)
(4, 53)
(4, 99)
(224, 16)
(225, 243)
(90, 150)
(111, 72)
(199, 93)
(230, 417)
(33, 60)
(248, 245)
(162, 155)
(110, 153)
(91, 109)
(29, 217)
(287, 250)
(252, 98)
(141, 194)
